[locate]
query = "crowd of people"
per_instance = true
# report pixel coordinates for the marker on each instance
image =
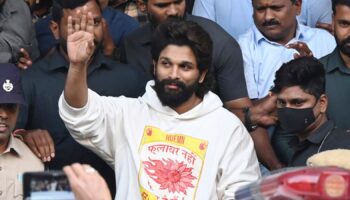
(155, 102)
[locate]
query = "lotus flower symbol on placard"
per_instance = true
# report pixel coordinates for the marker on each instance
(171, 175)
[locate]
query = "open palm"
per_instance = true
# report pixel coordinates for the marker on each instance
(80, 41)
(80, 46)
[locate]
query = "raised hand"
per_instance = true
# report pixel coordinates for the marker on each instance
(80, 40)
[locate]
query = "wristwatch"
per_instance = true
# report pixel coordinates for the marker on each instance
(247, 120)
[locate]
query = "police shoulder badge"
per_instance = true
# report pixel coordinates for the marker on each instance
(7, 86)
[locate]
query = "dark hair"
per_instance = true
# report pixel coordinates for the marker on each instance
(306, 72)
(339, 2)
(186, 33)
(59, 5)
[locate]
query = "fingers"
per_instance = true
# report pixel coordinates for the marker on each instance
(24, 53)
(302, 49)
(24, 60)
(70, 29)
(41, 143)
(83, 20)
(86, 182)
(24, 63)
(44, 150)
(77, 21)
(68, 170)
(72, 177)
(82, 171)
(90, 23)
(31, 144)
(49, 146)
(78, 169)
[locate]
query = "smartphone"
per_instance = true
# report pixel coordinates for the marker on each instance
(47, 185)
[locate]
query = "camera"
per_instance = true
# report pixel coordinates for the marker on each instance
(47, 185)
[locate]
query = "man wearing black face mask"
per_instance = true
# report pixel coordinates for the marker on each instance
(337, 66)
(302, 105)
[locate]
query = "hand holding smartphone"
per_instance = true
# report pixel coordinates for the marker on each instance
(47, 185)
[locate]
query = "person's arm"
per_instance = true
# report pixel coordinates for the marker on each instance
(80, 45)
(233, 91)
(87, 115)
(239, 165)
(260, 115)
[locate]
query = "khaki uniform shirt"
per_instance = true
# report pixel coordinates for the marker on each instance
(14, 161)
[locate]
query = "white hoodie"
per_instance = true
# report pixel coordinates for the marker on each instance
(205, 153)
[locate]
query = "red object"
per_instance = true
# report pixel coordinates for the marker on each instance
(309, 183)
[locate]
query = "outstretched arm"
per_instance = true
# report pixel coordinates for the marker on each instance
(80, 45)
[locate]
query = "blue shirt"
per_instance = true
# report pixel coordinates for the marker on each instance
(314, 11)
(235, 16)
(262, 57)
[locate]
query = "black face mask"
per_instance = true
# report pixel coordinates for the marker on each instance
(295, 120)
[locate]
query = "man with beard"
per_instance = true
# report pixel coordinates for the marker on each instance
(44, 82)
(337, 65)
(227, 69)
(174, 142)
(301, 107)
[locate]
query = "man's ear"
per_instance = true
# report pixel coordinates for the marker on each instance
(323, 103)
(298, 4)
(55, 29)
(203, 74)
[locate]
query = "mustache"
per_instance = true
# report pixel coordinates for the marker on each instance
(173, 82)
(175, 17)
(346, 41)
(271, 22)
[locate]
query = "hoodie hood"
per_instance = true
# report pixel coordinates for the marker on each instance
(210, 103)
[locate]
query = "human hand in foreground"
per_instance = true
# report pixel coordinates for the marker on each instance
(86, 183)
